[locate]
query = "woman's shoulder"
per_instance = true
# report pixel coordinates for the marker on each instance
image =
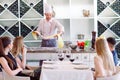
(98, 58)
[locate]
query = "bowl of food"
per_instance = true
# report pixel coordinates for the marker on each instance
(73, 47)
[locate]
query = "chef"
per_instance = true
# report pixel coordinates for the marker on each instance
(49, 28)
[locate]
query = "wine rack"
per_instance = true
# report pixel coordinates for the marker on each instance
(1, 30)
(100, 7)
(39, 7)
(1, 9)
(23, 8)
(112, 27)
(118, 49)
(116, 28)
(14, 30)
(116, 6)
(14, 8)
(20, 18)
(101, 28)
(24, 29)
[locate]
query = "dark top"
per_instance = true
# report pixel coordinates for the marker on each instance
(14, 61)
(115, 57)
(15, 65)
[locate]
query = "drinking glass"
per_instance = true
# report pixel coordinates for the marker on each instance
(68, 53)
(60, 55)
(71, 58)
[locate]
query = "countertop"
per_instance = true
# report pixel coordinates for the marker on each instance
(55, 50)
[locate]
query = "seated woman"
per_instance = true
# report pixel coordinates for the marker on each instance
(7, 60)
(103, 61)
(19, 52)
(11, 67)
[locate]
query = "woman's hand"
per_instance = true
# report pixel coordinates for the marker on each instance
(24, 50)
(20, 69)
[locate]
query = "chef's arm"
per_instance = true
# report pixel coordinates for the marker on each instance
(60, 28)
(39, 34)
(39, 30)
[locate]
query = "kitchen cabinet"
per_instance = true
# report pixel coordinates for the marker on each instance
(21, 17)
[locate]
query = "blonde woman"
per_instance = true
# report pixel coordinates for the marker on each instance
(19, 51)
(103, 61)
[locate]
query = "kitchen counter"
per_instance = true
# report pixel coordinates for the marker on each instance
(34, 55)
(55, 50)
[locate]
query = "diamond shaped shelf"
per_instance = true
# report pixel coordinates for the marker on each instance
(100, 7)
(31, 23)
(23, 8)
(14, 30)
(24, 29)
(116, 6)
(101, 28)
(116, 28)
(14, 8)
(118, 49)
(1, 30)
(1, 9)
(39, 7)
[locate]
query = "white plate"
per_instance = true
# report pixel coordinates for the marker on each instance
(77, 63)
(48, 62)
(81, 67)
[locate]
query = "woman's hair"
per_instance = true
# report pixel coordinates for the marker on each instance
(17, 45)
(104, 52)
(4, 42)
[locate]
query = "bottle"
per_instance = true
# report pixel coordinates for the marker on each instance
(93, 39)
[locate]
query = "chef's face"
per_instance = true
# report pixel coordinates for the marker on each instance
(48, 16)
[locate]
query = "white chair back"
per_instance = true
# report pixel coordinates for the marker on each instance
(114, 77)
(10, 77)
(1, 76)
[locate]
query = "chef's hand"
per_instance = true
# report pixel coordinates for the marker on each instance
(37, 33)
(56, 36)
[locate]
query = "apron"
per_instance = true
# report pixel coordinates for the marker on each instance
(48, 43)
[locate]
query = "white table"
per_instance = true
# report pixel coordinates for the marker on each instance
(65, 71)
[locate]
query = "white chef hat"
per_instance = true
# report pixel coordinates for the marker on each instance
(47, 8)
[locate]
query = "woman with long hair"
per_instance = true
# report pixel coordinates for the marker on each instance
(10, 67)
(19, 51)
(103, 61)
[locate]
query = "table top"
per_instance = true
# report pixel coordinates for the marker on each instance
(65, 70)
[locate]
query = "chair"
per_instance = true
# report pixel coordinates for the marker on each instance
(114, 77)
(1, 76)
(5, 76)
